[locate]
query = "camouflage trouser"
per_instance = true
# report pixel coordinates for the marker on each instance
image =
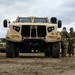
(71, 48)
(64, 47)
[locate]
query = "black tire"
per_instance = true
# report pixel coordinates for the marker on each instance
(9, 50)
(56, 50)
(16, 53)
(47, 53)
(54, 20)
(16, 49)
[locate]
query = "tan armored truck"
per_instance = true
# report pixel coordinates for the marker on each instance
(2, 44)
(33, 33)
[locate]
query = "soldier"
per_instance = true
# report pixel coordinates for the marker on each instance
(64, 46)
(71, 42)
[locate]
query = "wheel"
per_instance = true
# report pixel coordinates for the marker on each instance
(9, 50)
(56, 50)
(16, 53)
(47, 53)
(16, 49)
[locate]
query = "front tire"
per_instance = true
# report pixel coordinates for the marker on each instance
(12, 49)
(9, 50)
(16, 49)
(56, 50)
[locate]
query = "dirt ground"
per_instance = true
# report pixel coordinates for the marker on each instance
(36, 64)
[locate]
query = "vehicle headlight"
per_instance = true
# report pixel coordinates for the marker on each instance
(17, 28)
(50, 29)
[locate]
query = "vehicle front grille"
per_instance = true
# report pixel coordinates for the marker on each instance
(41, 31)
(30, 31)
(25, 31)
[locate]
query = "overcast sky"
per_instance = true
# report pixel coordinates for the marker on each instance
(62, 9)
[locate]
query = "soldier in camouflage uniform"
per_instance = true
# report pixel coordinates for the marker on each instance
(71, 42)
(64, 46)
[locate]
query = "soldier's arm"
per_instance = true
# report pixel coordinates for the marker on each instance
(67, 34)
(73, 38)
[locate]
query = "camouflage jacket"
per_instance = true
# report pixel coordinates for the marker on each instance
(64, 35)
(72, 36)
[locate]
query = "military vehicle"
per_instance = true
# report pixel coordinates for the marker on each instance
(33, 33)
(2, 44)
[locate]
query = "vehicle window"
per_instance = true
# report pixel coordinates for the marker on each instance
(2, 40)
(40, 20)
(24, 20)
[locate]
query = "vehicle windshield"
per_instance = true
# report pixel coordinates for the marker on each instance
(24, 20)
(2, 40)
(40, 20)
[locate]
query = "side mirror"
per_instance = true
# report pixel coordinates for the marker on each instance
(53, 20)
(59, 24)
(5, 23)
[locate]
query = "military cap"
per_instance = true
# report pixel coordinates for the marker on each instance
(71, 28)
(64, 27)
